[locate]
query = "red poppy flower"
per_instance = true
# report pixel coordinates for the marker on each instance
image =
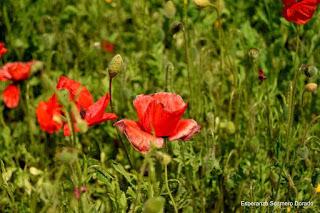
(299, 12)
(49, 115)
(15, 71)
(92, 113)
(107, 46)
(11, 96)
(77, 93)
(160, 115)
(3, 49)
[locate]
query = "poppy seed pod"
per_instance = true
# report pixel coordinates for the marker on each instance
(115, 66)
(202, 3)
(311, 87)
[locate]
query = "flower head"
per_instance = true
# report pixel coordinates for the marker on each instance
(15, 71)
(49, 115)
(91, 112)
(159, 116)
(299, 12)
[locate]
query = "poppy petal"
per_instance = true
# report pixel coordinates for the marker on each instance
(11, 96)
(139, 139)
(185, 130)
(77, 92)
(4, 74)
(159, 121)
(299, 12)
(141, 104)
(3, 49)
(19, 71)
(49, 115)
(96, 112)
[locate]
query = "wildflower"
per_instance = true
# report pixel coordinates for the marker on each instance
(16, 71)
(92, 113)
(299, 12)
(159, 116)
(3, 49)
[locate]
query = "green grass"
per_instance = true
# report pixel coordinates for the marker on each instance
(258, 142)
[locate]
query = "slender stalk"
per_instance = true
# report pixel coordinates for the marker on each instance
(168, 189)
(186, 44)
(110, 93)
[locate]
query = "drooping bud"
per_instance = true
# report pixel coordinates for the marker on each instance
(202, 3)
(311, 87)
(115, 66)
(169, 9)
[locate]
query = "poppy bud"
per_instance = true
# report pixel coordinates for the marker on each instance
(253, 53)
(115, 66)
(169, 9)
(311, 87)
(163, 157)
(67, 154)
(154, 205)
(35, 171)
(202, 3)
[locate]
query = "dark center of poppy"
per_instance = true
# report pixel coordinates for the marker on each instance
(82, 113)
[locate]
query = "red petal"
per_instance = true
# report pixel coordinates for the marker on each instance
(160, 113)
(77, 92)
(11, 96)
(19, 70)
(96, 112)
(139, 139)
(3, 49)
(299, 12)
(185, 130)
(4, 74)
(49, 114)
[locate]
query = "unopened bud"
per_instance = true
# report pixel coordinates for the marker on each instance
(164, 158)
(36, 66)
(311, 87)
(169, 9)
(309, 70)
(154, 205)
(202, 3)
(115, 66)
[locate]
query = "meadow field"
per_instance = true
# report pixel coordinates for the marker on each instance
(159, 106)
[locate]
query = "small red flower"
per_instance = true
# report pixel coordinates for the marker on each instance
(3, 49)
(49, 115)
(92, 113)
(15, 71)
(299, 12)
(11, 96)
(160, 115)
(107, 46)
(262, 76)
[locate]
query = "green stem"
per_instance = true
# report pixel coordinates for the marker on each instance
(168, 189)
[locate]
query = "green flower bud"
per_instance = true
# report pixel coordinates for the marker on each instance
(164, 158)
(115, 66)
(154, 205)
(202, 3)
(169, 9)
